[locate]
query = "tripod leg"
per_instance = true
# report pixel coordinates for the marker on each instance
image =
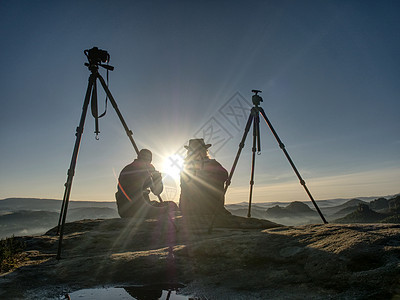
(71, 170)
(241, 145)
(62, 209)
(282, 146)
(253, 162)
(114, 104)
(257, 124)
(78, 129)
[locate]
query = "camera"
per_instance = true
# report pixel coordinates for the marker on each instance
(97, 56)
(256, 98)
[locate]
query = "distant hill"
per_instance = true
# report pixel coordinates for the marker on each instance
(343, 212)
(363, 214)
(16, 204)
(386, 205)
(379, 210)
(394, 204)
(21, 216)
(350, 203)
(392, 219)
(295, 213)
(294, 209)
(299, 208)
(298, 213)
(26, 216)
(27, 222)
(32, 222)
(242, 212)
(380, 204)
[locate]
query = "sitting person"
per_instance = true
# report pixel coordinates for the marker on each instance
(133, 189)
(202, 182)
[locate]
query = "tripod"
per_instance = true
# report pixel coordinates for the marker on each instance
(254, 118)
(95, 57)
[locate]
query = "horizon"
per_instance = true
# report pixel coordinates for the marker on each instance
(243, 202)
(328, 72)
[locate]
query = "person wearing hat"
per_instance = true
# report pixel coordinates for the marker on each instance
(134, 183)
(202, 182)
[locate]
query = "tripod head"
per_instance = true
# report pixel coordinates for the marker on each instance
(256, 98)
(96, 57)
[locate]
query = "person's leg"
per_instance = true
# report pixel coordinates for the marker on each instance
(123, 205)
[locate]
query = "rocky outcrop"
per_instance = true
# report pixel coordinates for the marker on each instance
(379, 204)
(394, 204)
(363, 214)
(241, 258)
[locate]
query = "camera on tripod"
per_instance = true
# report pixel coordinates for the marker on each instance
(97, 56)
(256, 98)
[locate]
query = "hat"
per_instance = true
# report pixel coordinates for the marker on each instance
(197, 144)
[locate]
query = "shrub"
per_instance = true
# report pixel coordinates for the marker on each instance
(10, 253)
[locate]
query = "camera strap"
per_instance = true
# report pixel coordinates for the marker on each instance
(106, 101)
(94, 107)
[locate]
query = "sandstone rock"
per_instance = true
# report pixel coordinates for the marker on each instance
(240, 259)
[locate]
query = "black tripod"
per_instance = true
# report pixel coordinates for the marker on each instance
(95, 57)
(254, 118)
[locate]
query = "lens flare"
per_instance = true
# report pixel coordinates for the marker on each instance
(173, 166)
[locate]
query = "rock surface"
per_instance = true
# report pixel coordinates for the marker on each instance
(240, 259)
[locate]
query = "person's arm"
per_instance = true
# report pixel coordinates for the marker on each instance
(157, 185)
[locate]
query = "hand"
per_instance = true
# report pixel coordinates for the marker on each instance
(156, 175)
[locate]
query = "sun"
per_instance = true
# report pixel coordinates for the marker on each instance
(173, 165)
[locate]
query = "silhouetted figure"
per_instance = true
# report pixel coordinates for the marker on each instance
(134, 183)
(202, 182)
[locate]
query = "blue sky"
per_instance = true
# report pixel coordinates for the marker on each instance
(329, 72)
